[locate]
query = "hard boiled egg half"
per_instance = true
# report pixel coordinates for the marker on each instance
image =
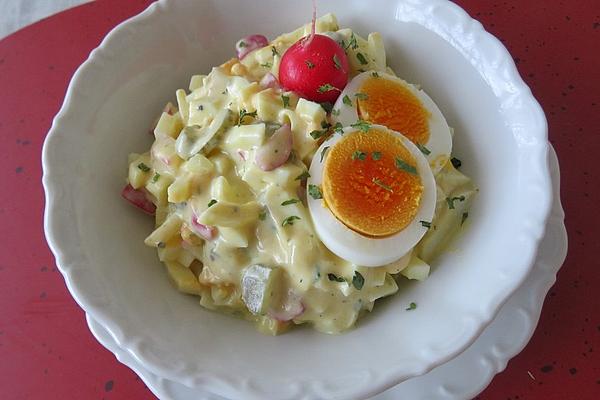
(371, 194)
(384, 99)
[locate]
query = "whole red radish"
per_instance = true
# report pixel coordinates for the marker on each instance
(316, 68)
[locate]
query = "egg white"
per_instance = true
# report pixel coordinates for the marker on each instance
(440, 138)
(351, 245)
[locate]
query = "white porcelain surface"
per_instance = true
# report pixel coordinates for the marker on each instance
(97, 238)
(460, 378)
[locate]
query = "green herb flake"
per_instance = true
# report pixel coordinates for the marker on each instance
(456, 163)
(242, 44)
(347, 101)
(423, 149)
(325, 124)
(317, 134)
(352, 43)
(361, 58)
(309, 64)
(326, 88)
(451, 201)
(290, 201)
(358, 281)
(156, 177)
(361, 96)
(411, 306)
(274, 51)
(262, 215)
(323, 152)
(335, 278)
(425, 224)
(359, 155)
(286, 100)
(143, 167)
(376, 155)
(327, 106)
(212, 203)
(315, 192)
(339, 128)
(336, 62)
(404, 166)
(244, 114)
(361, 125)
(375, 74)
(290, 220)
(464, 218)
(266, 65)
(302, 176)
(335, 112)
(382, 185)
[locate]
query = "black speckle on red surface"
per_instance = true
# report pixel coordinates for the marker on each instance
(18, 170)
(547, 368)
(43, 295)
(572, 371)
(44, 269)
(108, 386)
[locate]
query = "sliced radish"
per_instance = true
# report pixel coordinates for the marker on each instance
(138, 198)
(206, 232)
(249, 43)
(276, 151)
(270, 81)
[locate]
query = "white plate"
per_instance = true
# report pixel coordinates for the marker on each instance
(460, 378)
(98, 239)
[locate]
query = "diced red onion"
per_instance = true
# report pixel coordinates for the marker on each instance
(270, 81)
(276, 151)
(138, 198)
(249, 43)
(206, 232)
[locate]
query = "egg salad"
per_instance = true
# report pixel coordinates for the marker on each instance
(284, 203)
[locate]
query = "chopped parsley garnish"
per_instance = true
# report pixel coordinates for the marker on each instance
(335, 278)
(335, 112)
(244, 114)
(290, 220)
(451, 201)
(347, 101)
(382, 185)
(302, 176)
(212, 203)
(242, 44)
(375, 74)
(358, 281)
(412, 306)
(361, 96)
(325, 124)
(309, 64)
(290, 201)
(425, 224)
(404, 166)
(274, 51)
(143, 167)
(376, 155)
(286, 100)
(352, 43)
(359, 155)
(336, 62)
(339, 128)
(262, 215)
(361, 58)
(156, 177)
(323, 152)
(200, 107)
(326, 88)
(456, 163)
(423, 149)
(317, 134)
(266, 65)
(315, 192)
(464, 218)
(362, 125)
(327, 106)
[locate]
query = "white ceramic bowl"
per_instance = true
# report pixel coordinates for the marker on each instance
(501, 136)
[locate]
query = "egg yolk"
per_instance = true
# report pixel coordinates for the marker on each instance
(371, 184)
(389, 103)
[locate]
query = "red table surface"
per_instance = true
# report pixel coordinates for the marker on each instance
(46, 349)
